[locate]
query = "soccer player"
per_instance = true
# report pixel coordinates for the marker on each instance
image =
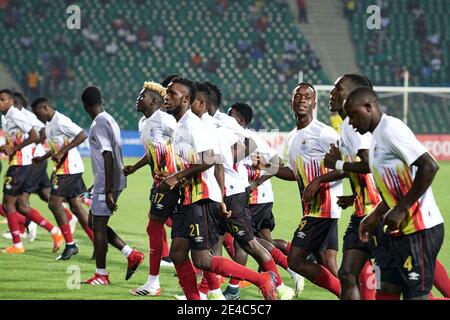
(156, 129)
(355, 267)
(20, 135)
(403, 171)
(320, 210)
(63, 137)
(261, 197)
(109, 181)
(200, 198)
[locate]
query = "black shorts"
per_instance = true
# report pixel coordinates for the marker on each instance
(415, 261)
(179, 225)
(163, 204)
(16, 180)
(39, 178)
(351, 237)
(68, 185)
(316, 234)
(239, 225)
(262, 217)
(201, 222)
(382, 254)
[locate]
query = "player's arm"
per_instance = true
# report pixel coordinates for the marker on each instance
(42, 136)
(61, 155)
(333, 160)
(33, 137)
(127, 170)
(285, 173)
(369, 223)
(219, 173)
(427, 168)
(108, 160)
(313, 187)
(47, 155)
(207, 161)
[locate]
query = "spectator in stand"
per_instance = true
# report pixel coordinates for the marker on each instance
(196, 60)
(32, 87)
(212, 65)
(302, 11)
(242, 62)
(262, 24)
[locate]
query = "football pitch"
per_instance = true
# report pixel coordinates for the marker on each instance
(36, 274)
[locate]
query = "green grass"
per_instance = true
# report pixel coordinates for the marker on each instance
(36, 274)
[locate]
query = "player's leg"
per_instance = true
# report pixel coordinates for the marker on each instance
(35, 216)
(353, 261)
(309, 237)
(441, 279)
(55, 204)
(12, 216)
(82, 216)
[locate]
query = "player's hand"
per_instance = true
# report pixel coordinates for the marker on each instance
(258, 162)
(332, 156)
(36, 160)
(311, 190)
(346, 201)
(367, 226)
(224, 211)
(169, 183)
(110, 202)
(127, 170)
(161, 175)
(8, 150)
(392, 220)
(59, 158)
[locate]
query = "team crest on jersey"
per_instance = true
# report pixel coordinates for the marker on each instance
(304, 145)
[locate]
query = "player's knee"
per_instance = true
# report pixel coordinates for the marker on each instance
(346, 276)
(177, 256)
(53, 205)
(22, 207)
(9, 208)
(201, 261)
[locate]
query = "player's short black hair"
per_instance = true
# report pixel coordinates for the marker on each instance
(21, 98)
(7, 91)
(91, 96)
(203, 88)
(359, 80)
(188, 84)
(216, 94)
(168, 79)
(244, 110)
(359, 93)
(38, 101)
(308, 85)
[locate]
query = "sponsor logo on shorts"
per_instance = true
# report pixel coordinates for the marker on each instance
(159, 206)
(301, 235)
(413, 276)
(8, 187)
(240, 233)
(198, 239)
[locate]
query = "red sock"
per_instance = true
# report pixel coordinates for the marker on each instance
(228, 243)
(288, 248)
(89, 232)
(13, 224)
(65, 229)
(367, 287)
(228, 268)
(212, 280)
(165, 245)
(2, 211)
(22, 223)
(68, 214)
(234, 281)
(271, 266)
(36, 217)
(203, 287)
(279, 258)
(328, 281)
(188, 280)
(441, 280)
(155, 234)
(387, 296)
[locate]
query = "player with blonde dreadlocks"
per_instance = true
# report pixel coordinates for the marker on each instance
(156, 129)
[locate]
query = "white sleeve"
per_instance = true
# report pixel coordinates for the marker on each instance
(69, 128)
(104, 135)
(404, 144)
(234, 126)
(22, 122)
(263, 148)
(327, 137)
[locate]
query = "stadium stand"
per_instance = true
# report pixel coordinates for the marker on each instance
(252, 49)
